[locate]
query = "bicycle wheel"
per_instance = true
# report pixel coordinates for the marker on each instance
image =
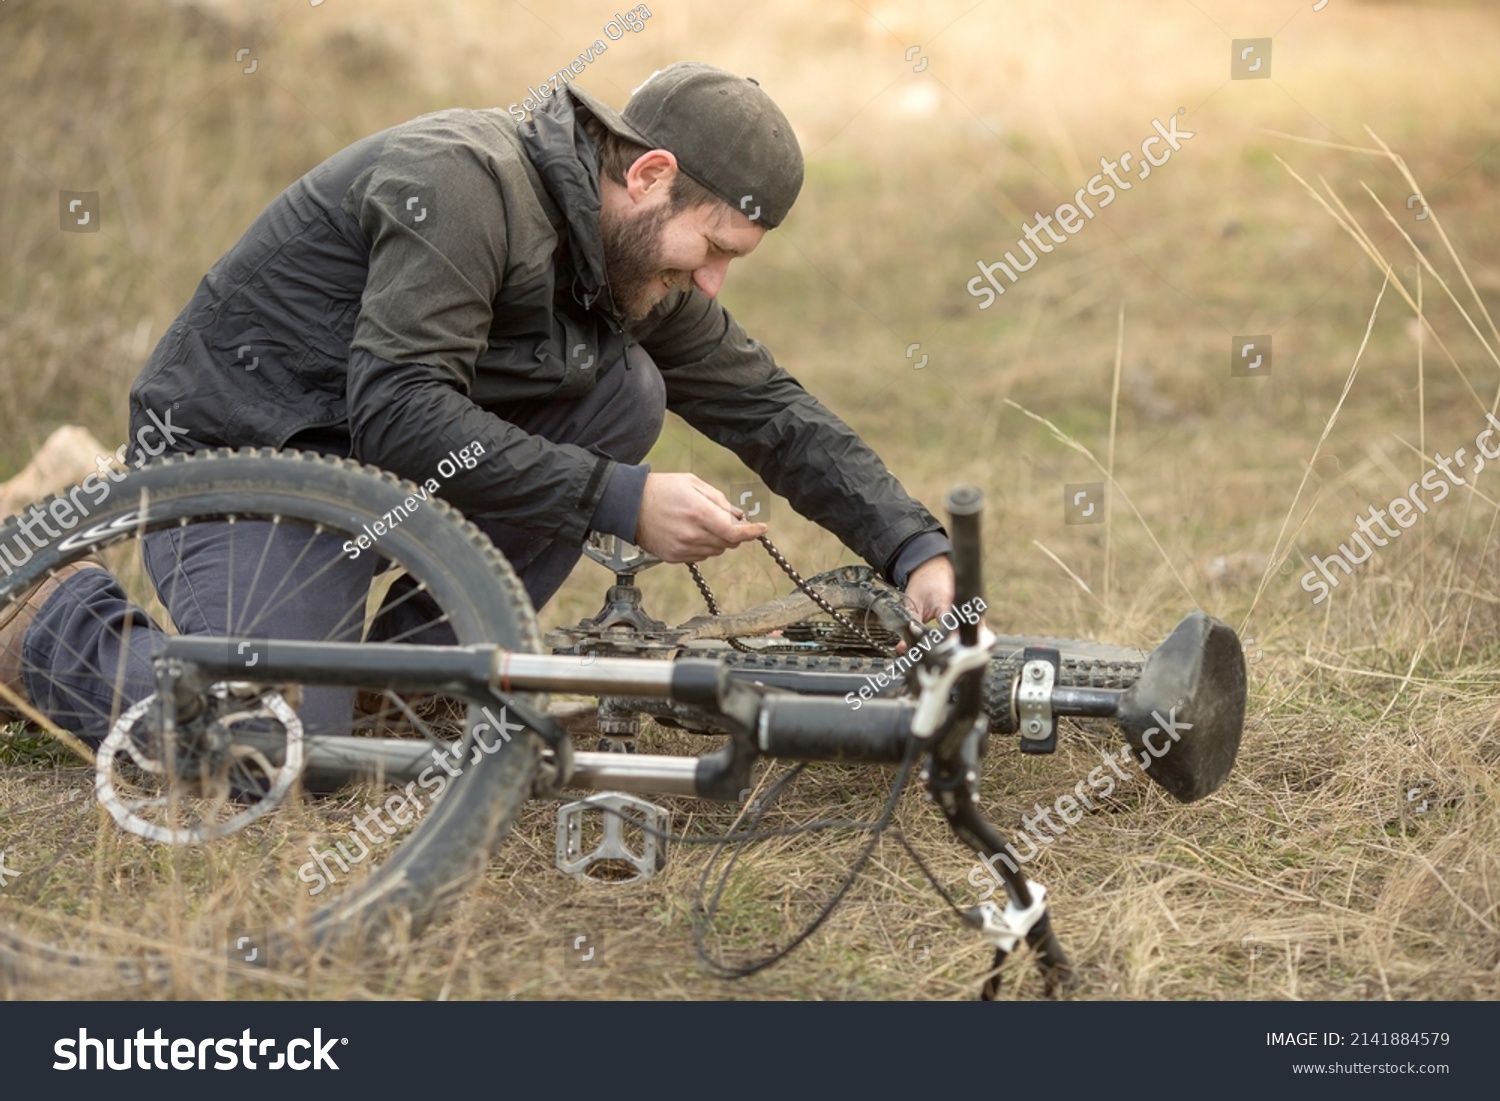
(253, 544)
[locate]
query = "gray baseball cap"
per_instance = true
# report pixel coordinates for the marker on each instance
(724, 130)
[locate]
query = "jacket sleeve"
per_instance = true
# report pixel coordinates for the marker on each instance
(727, 385)
(433, 213)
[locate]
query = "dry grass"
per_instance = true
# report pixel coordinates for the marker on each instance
(1352, 854)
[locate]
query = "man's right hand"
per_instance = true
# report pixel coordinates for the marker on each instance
(684, 519)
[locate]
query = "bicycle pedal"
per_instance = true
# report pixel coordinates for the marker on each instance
(613, 857)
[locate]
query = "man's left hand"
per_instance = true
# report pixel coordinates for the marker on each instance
(929, 589)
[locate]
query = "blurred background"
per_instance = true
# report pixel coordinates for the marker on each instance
(934, 131)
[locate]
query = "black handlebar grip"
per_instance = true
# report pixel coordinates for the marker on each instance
(965, 504)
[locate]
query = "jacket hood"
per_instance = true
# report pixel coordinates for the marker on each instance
(566, 159)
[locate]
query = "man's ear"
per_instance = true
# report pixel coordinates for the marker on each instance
(653, 172)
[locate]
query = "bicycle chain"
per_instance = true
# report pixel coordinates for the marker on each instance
(713, 606)
(812, 594)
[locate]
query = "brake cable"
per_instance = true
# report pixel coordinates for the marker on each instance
(703, 914)
(926, 871)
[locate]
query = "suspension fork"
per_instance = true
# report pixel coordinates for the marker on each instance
(953, 780)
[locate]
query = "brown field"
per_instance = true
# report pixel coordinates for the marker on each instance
(1355, 851)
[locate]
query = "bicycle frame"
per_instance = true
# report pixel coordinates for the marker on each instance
(796, 717)
(1197, 676)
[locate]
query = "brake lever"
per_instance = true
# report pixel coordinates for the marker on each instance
(937, 682)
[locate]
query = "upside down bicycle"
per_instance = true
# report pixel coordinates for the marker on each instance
(214, 744)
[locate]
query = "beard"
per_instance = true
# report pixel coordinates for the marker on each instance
(633, 262)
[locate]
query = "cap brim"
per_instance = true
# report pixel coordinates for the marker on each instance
(612, 120)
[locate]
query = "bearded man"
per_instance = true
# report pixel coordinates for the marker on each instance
(544, 290)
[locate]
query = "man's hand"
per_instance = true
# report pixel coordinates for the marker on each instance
(684, 519)
(929, 589)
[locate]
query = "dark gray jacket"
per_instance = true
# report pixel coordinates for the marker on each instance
(392, 302)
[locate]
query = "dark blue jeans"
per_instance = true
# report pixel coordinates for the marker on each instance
(87, 654)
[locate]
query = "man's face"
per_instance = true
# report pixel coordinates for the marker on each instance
(650, 250)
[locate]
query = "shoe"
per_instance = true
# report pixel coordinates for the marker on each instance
(16, 617)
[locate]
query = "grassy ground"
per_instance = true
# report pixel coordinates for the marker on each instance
(1352, 854)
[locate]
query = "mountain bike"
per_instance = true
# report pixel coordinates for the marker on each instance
(205, 756)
